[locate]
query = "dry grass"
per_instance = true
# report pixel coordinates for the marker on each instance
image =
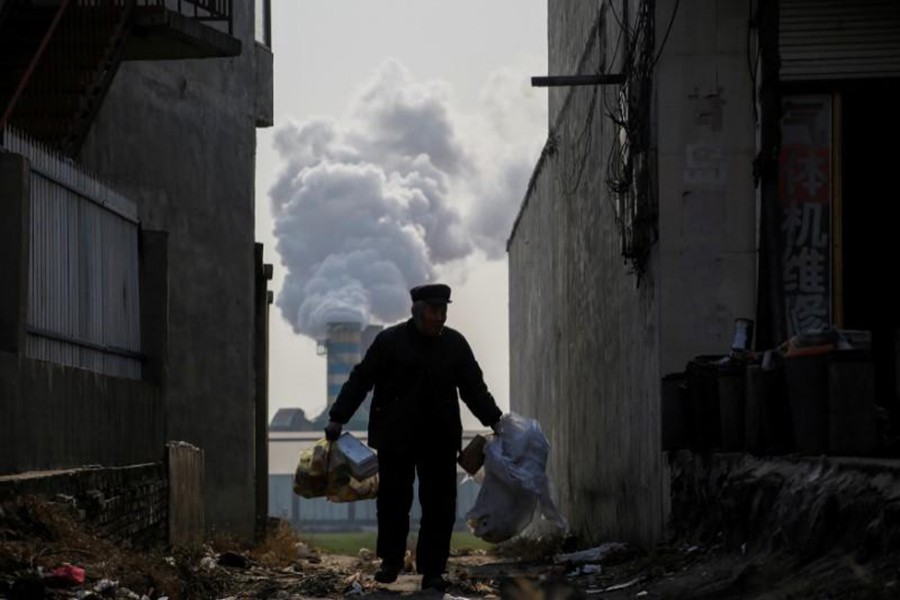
(279, 548)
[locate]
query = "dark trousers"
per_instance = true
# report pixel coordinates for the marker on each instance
(436, 468)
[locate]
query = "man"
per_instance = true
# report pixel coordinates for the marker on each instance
(416, 368)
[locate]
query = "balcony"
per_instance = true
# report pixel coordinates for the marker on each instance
(58, 58)
(174, 29)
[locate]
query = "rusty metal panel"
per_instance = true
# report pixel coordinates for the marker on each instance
(835, 39)
(83, 301)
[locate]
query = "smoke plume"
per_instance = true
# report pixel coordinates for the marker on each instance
(369, 205)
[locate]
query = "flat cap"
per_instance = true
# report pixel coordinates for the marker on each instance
(436, 293)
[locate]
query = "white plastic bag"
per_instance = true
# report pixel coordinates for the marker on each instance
(515, 482)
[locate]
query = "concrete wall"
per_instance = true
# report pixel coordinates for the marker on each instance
(584, 334)
(592, 343)
(178, 137)
(57, 417)
(707, 201)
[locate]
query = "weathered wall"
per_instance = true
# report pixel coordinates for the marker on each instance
(592, 343)
(57, 417)
(178, 137)
(707, 201)
(127, 504)
(583, 333)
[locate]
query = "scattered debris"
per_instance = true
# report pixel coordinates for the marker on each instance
(65, 576)
(39, 545)
(355, 589)
(622, 586)
(366, 555)
(592, 555)
(233, 559)
(105, 586)
(586, 570)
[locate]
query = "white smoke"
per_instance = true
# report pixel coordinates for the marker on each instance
(370, 205)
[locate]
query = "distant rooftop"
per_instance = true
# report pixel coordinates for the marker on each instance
(290, 419)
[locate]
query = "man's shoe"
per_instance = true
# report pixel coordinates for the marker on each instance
(435, 582)
(387, 572)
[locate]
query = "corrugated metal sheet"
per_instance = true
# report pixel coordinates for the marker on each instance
(837, 39)
(83, 295)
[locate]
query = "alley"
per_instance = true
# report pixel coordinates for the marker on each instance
(37, 538)
(585, 294)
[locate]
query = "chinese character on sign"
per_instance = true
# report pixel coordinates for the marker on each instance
(804, 226)
(805, 198)
(806, 312)
(804, 271)
(806, 173)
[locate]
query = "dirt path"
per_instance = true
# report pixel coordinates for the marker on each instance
(36, 538)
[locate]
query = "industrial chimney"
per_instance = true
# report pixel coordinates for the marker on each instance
(343, 346)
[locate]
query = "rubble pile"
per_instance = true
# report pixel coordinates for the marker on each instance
(46, 551)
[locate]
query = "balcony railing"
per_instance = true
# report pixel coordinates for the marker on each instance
(212, 11)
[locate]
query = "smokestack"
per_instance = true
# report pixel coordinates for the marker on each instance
(343, 346)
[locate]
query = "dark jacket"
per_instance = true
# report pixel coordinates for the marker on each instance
(416, 380)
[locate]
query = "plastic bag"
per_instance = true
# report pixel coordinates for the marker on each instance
(515, 482)
(323, 472)
(353, 489)
(500, 511)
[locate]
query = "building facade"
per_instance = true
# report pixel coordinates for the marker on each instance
(170, 122)
(705, 166)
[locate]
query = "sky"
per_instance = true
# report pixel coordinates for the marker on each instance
(405, 133)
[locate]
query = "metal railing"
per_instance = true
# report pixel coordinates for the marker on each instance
(68, 74)
(83, 267)
(215, 11)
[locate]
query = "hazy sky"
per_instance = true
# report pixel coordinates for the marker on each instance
(405, 134)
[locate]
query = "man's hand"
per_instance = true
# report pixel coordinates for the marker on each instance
(333, 431)
(496, 426)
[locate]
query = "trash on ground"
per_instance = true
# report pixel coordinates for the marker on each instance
(66, 575)
(622, 586)
(592, 555)
(233, 559)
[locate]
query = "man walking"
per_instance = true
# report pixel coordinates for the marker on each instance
(416, 368)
